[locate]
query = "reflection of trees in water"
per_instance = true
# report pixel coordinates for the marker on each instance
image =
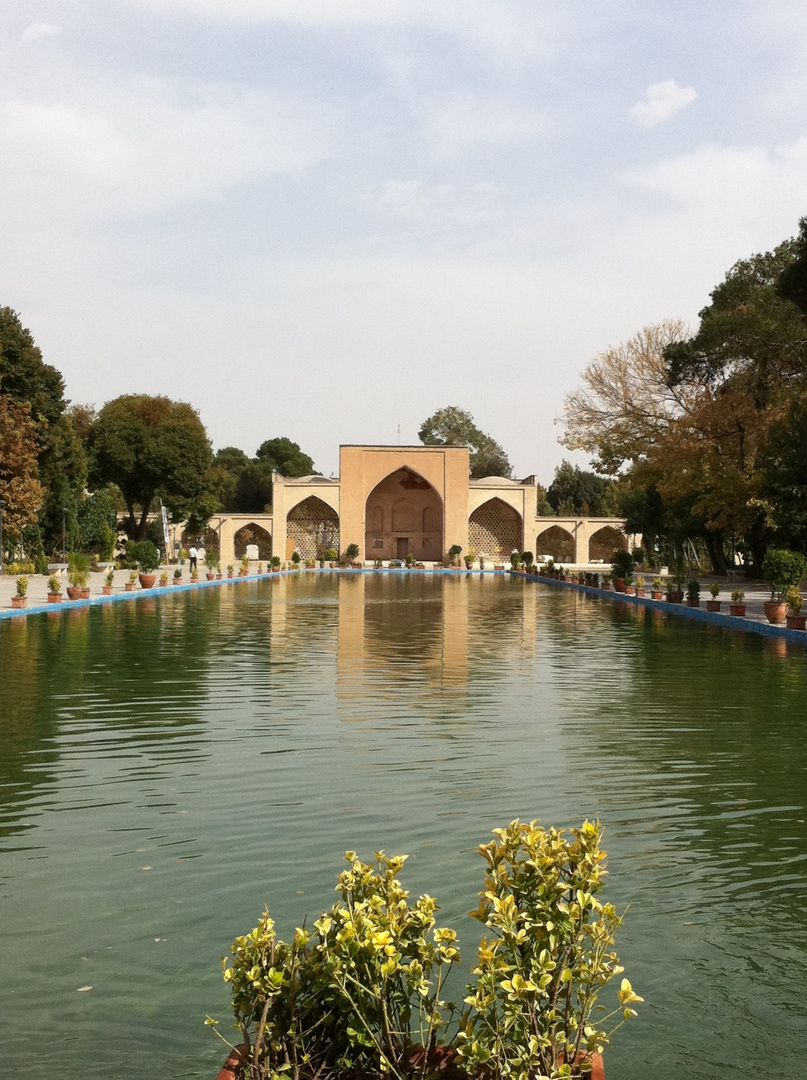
(117, 665)
(709, 720)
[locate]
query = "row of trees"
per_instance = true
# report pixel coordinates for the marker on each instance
(71, 472)
(702, 434)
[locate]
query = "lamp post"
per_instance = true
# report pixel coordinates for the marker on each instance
(64, 534)
(2, 504)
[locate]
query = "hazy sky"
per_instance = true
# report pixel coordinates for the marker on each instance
(327, 218)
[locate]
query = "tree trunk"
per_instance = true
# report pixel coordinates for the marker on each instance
(143, 523)
(717, 556)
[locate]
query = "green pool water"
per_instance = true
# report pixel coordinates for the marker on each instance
(168, 766)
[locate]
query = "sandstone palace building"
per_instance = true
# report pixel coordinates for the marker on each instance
(398, 500)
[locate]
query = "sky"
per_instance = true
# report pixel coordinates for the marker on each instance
(326, 219)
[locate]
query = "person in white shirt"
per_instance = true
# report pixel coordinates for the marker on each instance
(192, 555)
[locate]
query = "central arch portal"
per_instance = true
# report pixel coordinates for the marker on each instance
(403, 516)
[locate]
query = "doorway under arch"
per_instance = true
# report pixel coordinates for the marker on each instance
(252, 533)
(311, 528)
(556, 542)
(494, 529)
(403, 515)
(604, 542)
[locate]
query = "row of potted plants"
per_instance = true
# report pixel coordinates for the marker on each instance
(782, 568)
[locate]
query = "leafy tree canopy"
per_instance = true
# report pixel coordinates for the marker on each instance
(154, 447)
(452, 426)
(576, 491)
(285, 457)
(24, 375)
(19, 485)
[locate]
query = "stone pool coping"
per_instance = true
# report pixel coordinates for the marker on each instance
(681, 611)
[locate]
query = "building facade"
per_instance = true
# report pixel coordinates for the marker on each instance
(398, 500)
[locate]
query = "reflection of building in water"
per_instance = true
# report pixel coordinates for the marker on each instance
(435, 637)
(394, 501)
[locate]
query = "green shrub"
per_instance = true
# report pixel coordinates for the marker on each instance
(275, 560)
(693, 589)
(793, 599)
(22, 586)
(538, 977)
(78, 569)
(358, 994)
(145, 554)
(361, 993)
(351, 552)
(515, 560)
(783, 568)
(295, 557)
(622, 565)
(331, 554)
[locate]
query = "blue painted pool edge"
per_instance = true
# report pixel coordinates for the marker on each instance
(681, 611)
(96, 601)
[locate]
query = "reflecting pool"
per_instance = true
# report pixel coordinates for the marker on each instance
(169, 765)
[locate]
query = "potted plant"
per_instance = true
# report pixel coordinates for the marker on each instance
(622, 566)
(693, 593)
(714, 603)
(147, 557)
(482, 558)
(454, 553)
(469, 560)
(359, 994)
(212, 564)
(275, 564)
(129, 585)
(793, 599)
(680, 569)
(164, 579)
(527, 559)
(243, 567)
(656, 591)
(21, 599)
(230, 570)
(108, 582)
(352, 553)
(331, 556)
(178, 576)
(295, 558)
(640, 583)
(782, 568)
(54, 590)
(515, 559)
(737, 607)
(78, 574)
(606, 582)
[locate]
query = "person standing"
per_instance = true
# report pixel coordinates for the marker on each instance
(193, 555)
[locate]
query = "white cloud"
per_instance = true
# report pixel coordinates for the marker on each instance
(661, 102)
(464, 121)
(39, 30)
(441, 207)
(148, 148)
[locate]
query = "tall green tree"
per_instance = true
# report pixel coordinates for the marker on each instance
(577, 491)
(452, 426)
(24, 375)
(285, 457)
(152, 447)
(19, 483)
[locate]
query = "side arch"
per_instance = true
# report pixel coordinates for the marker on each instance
(495, 529)
(312, 526)
(604, 542)
(252, 533)
(556, 542)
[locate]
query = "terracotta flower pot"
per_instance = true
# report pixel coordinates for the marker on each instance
(640, 592)
(619, 584)
(656, 594)
(19, 601)
(713, 605)
(676, 596)
(147, 580)
(737, 610)
(693, 601)
(775, 612)
(230, 573)
(629, 590)
(218, 577)
(177, 581)
(73, 592)
(54, 598)
(128, 586)
(106, 590)
(796, 622)
(210, 576)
